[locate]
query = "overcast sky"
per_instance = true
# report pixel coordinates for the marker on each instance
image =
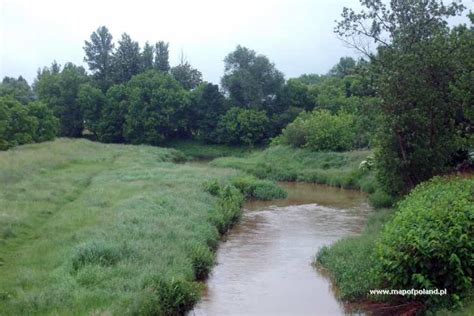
(297, 35)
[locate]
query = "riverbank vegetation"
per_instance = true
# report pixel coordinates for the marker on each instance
(417, 81)
(393, 253)
(117, 228)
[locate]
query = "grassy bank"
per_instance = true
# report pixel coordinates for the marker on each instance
(283, 163)
(350, 260)
(95, 228)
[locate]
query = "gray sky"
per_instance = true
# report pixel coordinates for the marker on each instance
(297, 35)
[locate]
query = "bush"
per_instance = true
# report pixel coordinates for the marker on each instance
(166, 297)
(320, 131)
(98, 253)
(430, 242)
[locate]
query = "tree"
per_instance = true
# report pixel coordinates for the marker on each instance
(243, 127)
(207, 108)
(99, 56)
(414, 71)
(162, 57)
(126, 59)
(59, 91)
(17, 88)
(91, 100)
(157, 108)
(251, 80)
(186, 75)
(114, 111)
(48, 124)
(16, 126)
(345, 67)
(295, 93)
(147, 57)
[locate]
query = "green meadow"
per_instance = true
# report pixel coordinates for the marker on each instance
(95, 228)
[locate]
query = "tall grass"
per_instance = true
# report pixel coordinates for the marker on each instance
(195, 150)
(95, 228)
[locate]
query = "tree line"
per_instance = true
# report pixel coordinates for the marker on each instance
(133, 95)
(411, 98)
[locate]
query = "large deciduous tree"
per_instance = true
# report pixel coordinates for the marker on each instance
(91, 100)
(59, 91)
(251, 80)
(207, 108)
(114, 111)
(157, 108)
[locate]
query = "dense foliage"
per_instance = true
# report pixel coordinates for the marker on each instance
(430, 241)
(157, 107)
(425, 128)
(242, 126)
(22, 124)
(320, 130)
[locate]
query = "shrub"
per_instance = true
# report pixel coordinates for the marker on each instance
(295, 133)
(166, 297)
(328, 131)
(320, 130)
(99, 253)
(430, 242)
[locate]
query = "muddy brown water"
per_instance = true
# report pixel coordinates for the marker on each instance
(264, 265)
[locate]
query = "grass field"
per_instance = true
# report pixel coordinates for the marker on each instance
(95, 228)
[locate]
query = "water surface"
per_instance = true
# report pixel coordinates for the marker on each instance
(264, 266)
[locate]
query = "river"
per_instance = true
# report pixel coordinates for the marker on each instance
(264, 264)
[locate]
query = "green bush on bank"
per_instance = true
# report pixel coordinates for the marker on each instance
(320, 130)
(430, 242)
